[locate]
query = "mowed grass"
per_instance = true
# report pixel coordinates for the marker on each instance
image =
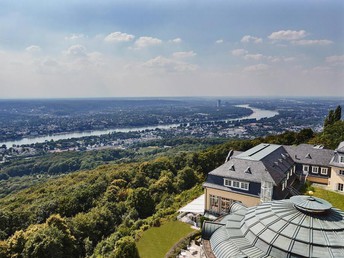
(336, 199)
(157, 241)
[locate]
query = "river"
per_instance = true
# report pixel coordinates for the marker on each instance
(257, 114)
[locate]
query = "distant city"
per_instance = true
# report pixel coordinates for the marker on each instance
(32, 127)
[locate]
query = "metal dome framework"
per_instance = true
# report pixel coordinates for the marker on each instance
(302, 226)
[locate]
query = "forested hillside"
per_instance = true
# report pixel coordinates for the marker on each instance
(102, 211)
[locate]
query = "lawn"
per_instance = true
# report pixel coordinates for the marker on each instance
(336, 199)
(157, 241)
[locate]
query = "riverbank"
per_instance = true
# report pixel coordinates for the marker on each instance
(256, 114)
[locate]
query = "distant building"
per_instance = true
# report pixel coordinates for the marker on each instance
(269, 172)
(218, 104)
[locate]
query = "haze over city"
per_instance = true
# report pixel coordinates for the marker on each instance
(58, 49)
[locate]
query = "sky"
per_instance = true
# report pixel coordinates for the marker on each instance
(83, 48)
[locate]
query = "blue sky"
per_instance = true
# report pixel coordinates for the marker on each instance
(106, 48)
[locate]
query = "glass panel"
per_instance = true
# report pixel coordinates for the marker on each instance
(225, 204)
(214, 203)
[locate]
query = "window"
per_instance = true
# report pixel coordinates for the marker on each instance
(227, 182)
(341, 159)
(305, 168)
(244, 185)
(214, 203)
(340, 187)
(323, 171)
(235, 184)
(225, 204)
(341, 172)
(284, 184)
(315, 170)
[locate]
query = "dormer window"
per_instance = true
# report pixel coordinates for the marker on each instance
(324, 171)
(236, 184)
(232, 168)
(308, 156)
(248, 170)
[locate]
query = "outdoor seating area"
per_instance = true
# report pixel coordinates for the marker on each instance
(192, 251)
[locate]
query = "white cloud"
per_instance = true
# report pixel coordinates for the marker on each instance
(256, 68)
(176, 40)
(147, 41)
(183, 54)
(219, 41)
(169, 64)
(318, 70)
(33, 49)
(239, 52)
(76, 51)
(335, 60)
(253, 57)
(304, 42)
(289, 59)
(119, 37)
(248, 38)
(287, 35)
(74, 36)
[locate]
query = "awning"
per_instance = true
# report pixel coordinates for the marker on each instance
(196, 206)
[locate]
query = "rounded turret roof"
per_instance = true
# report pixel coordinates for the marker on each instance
(299, 227)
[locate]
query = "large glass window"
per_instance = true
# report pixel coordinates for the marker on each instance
(214, 203)
(225, 204)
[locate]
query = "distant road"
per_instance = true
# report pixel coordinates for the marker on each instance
(257, 114)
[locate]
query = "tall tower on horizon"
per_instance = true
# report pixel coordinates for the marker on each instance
(218, 103)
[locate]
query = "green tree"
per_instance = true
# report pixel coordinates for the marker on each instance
(3, 249)
(186, 179)
(16, 244)
(304, 135)
(51, 239)
(141, 200)
(338, 113)
(331, 136)
(125, 248)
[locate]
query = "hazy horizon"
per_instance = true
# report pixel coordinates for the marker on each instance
(86, 49)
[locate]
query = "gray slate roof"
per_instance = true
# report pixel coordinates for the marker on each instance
(308, 154)
(340, 147)
(267, 162)
(280, 229)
